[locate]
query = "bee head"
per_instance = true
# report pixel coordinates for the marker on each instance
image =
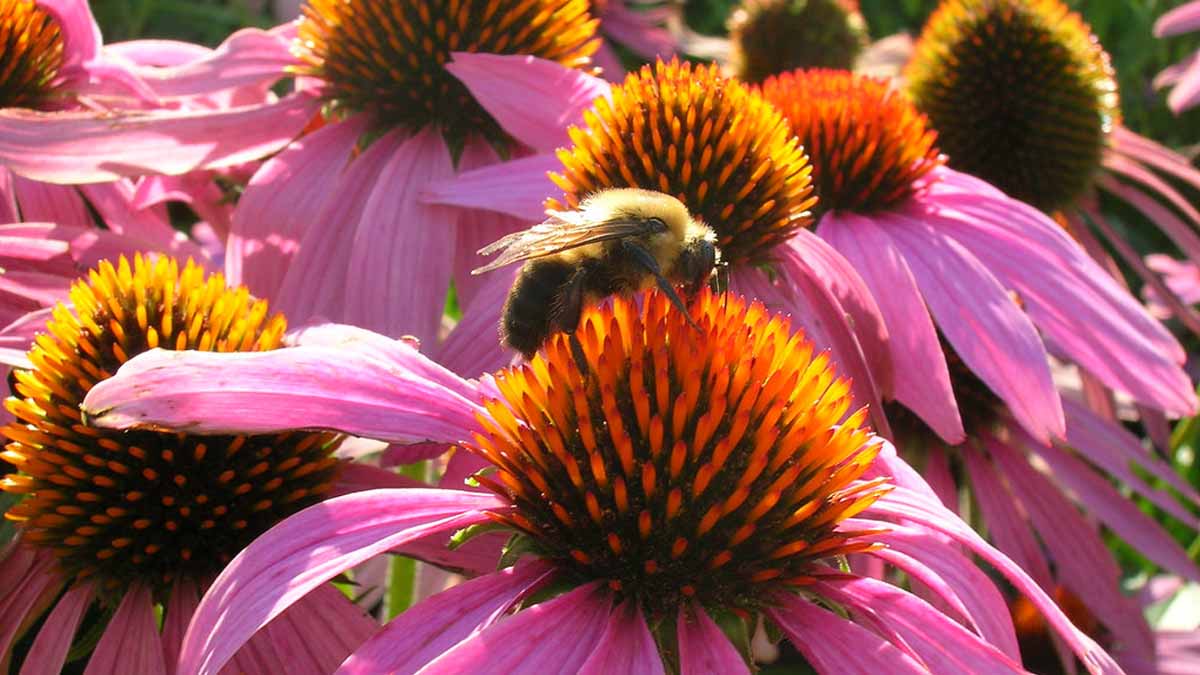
(667, 213)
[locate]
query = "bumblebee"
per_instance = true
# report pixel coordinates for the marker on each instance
(618, 241)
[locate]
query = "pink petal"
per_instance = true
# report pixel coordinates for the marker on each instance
(318, 632)
(813, 307)
(130, 642)
(517, 187)
(833, 645)
(185, 597)
(49, 650)
(703, 646)
(477, 227)
(306, 550)
(1082, 562)
(556, 636)
(80, 32)
(281, 202)
(473, 347)
(943, 645)
(638, 30)
(907, 505)
(1181, 233)
(60, 204)
(626, 645)
(425, 631)
(937, 473)
(302, 387)
(1112, 448)
(984, 325)
(162, 53)
(150, 227)
(1100, 499)
(402, 257)
(87, 147)
(315, 283)
(249, 57)
(505, 86)
(1182, 19)
(609, 62)
(43, 289)
(1149, 152)
(922, 382)
(8, 198)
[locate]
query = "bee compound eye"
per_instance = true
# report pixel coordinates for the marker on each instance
(658, 223)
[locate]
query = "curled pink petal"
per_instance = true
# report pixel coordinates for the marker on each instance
(421, 633)
(551, 637)
(306, 550)
(88, 147)
(703, 646)
(517, 187)
(80, 32)
(626, 645)
(248, 57)
(505, 85)
(154, 52)
(301, 387)
(834, 645)
(130, 642)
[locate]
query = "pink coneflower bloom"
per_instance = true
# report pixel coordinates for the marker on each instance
(1004, 285)
(685, 478)
(1023, 95)
(380, 71)
(115, 529)
(1185, 75)
(728, 156)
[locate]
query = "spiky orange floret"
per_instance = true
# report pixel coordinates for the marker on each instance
(30, 54)
(685, 463)
(1020, 92)
(144, 506)
(866, 141)
(709, 141)
(775, 36)
(388, 57)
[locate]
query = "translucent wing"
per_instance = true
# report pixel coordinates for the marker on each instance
(563, 230)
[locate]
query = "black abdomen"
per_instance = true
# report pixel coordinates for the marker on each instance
(529, 310)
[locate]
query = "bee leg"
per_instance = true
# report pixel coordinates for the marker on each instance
(643, 257)
(565, 316)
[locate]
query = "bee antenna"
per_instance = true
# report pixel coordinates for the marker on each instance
(646, 260)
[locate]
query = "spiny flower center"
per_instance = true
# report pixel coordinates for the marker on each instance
(718, 147)
(388, 57)
(30, 54)
(775, 36)
(686, 464)
(145, 506)
(1021, 93)
(867, 143)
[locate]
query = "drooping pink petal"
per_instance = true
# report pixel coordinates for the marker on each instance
(804, 295)
(410, 453)
(51, 203)
(306, 550)
(282, 201)
(249, 57)
(88, 147)
(505, 86)
(609, 62)
(318, 632)
(80, 32)
(477, 227)
(1117, 512)
(639, 30)
(1118, 452)
(626, 645)
(703, 647)
(27, 577)
(49, 650)
(1151, 153)
(1182, 19)
(185, 597)
(834, 645)
(551, 637)
(517, 187)
(937, 473)
(992, 336)
(315, 283)
(301, 387)
(402, 257)
(942, 644)
(849, 287)
(37, 287)
(473, 346)
(907, 505)
(130, 642)
(955, 579)
(1186, 92)
(8, 197)
(430, 628)
(922, 380)
(1082, 562)
(1181, 233)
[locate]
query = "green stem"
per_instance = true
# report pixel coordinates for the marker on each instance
(402, 571)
